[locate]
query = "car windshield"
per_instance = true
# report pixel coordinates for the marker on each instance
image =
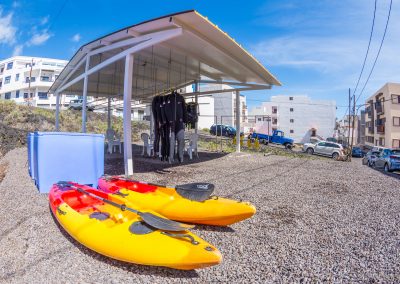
(396, 152)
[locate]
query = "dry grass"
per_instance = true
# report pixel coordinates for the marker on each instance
(17, 121)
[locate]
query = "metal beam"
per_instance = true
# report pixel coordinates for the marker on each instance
(128, 160)
(151, 39)
(57, 111)
(237, 121)
(85, 88)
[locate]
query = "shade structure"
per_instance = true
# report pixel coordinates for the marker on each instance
(166, 53)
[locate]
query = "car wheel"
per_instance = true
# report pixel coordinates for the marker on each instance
(387, 168)
(335, 156)
(288, 146)
(310, 151)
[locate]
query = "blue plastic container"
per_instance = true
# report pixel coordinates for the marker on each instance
(30, 155)
(64, 156)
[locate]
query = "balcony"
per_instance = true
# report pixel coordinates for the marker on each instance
(379, 107)
(380, 129)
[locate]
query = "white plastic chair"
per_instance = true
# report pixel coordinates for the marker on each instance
(147, 146)
(192, 147)
(112, 141)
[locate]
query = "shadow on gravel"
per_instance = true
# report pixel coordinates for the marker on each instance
(130, 267)
(395, 174)
(222, 229)
(114, 163)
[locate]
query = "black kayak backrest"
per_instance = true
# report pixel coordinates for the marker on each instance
(198, 191)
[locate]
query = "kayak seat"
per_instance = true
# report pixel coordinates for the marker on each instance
(78, 202)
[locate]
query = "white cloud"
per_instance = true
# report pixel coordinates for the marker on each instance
(76, 38)
(44, 20)
(18, 50)
(16, 4)
(7, 30)
(39, 38)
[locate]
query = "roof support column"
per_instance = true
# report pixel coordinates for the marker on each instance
(128, 161)
(57, 111)
(109, 113)
(85, 87)
(237, 121)
(196, 100)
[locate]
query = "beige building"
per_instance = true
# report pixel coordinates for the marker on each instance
(382, 117)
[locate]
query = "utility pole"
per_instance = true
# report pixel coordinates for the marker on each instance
(348, 131)
(353, 126)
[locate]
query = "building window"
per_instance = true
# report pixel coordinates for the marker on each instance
(396, 143)
(290, 98)
(291, 109)
(1, 69)
(291, 131)
(7, 80)
(25, 95)
(259, 119)
(396, 121)
(9, 65)
(17, 77)
(291, 120)
(381, 141)
(42, 95)
(395, 99)
(17, 94)
(7, 96)
(45, 78)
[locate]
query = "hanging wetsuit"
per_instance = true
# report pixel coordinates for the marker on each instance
(156, 112)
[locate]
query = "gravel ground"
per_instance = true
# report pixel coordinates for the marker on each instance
(317, 221)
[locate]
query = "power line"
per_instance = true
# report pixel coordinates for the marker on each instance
(379, 51)
(366, 55)
(58, 14)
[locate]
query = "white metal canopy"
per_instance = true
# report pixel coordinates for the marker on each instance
(155, 56)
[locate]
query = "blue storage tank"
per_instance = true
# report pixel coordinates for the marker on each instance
(65, 156)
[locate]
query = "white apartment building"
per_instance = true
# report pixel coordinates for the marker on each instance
(26, 80)
(218, 107)
(299, 117)
(344, 130)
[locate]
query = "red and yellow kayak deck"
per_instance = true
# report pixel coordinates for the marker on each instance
(167, 202)
(123, 235)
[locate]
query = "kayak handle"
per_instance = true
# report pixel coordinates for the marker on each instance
(192, 240)
(60, 211)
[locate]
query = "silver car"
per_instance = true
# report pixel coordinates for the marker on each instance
(389, 160)
(370, 158)
(324, 148)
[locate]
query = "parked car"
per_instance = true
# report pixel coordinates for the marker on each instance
(225, 130)
(388, 159)
(77, 105)
(357, 152)
(332, 139)
(324, 148)
(277, 137)
(370, 157)
(315, 140)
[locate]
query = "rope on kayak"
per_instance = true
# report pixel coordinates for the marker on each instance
(192, 240)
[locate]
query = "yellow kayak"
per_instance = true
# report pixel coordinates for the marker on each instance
(124, 235)
(174, 204)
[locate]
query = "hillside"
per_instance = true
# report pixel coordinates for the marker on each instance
(17, 120)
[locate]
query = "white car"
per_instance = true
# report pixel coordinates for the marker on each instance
(324, 148)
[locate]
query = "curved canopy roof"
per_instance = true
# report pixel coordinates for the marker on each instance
(169, 52)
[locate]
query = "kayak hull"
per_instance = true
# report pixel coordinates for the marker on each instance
(167, 202)
(108, 231)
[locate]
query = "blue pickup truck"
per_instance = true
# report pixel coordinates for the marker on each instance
(277, 137)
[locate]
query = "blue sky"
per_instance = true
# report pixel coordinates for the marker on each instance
(314, 48)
